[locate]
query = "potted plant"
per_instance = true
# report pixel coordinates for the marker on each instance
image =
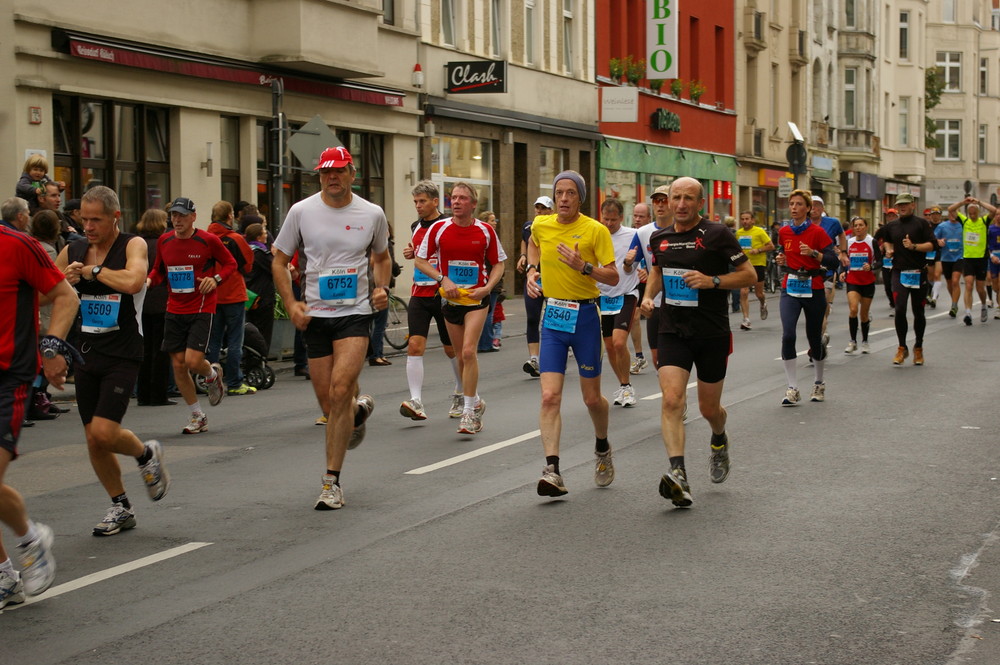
(617, 69)
(676, 86)
(656, 85)
(696, 89)
(635, 70)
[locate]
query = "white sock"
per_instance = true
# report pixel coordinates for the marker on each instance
(7, 567)
(211, 377)
(936, 290)
(790, 373)
(29, 537)
(471, 402)
(818, 367)
(458, 375)
(195, 408)
(415, 375)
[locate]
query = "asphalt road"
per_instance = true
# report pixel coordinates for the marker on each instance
(860, 530)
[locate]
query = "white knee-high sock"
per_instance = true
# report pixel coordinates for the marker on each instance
(791, 373)
(818, 367)
(415, 375)
(458, 376)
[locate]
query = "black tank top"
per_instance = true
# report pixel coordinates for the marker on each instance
(109, 321)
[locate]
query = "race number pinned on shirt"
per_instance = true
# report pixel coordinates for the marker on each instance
(181, 278)
(887, 262)
(953, 244)
(464, 273)
(561, 315)
(339, 286)
(611, 304)
(799, 287)
(972, 238)
(99, 314)
(676, 292)
(746, 242)
(420, 279)
(910, 278)
(858, 260)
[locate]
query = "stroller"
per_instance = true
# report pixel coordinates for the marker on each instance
(256, 372)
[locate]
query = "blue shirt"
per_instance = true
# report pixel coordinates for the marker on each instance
(951, 233)
(834, 229)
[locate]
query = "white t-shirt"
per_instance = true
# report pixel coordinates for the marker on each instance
(336, 244)
(642, 236)
(627, 281)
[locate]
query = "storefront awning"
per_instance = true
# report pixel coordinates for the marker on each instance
(448, 109)
(170, 61)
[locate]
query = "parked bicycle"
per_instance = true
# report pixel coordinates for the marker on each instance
(397, 329)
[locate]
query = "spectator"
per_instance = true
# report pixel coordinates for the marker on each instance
(376, 357)
(487, 341)
(154, 372)
(261, 282)
(31, 186)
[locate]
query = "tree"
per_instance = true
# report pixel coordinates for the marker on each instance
(933, 87)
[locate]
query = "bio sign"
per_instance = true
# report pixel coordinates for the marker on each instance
(661, 39)
(477, 77)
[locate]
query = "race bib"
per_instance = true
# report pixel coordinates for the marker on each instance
(932, 254)
(953, 244)
(910, 278)
(676, 292)
(420, 279)
(561, 315)
(612, 305)
(971, 238)
(858, 260)
(339, 286)
(99, 314)
(464, 273)
(746, 242)
(799, 287)
(887, 262)
(181, 278)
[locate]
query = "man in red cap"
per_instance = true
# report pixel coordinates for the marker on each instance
(335, 230)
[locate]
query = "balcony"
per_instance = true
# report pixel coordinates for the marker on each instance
(797, 53)
(754, 36)
(856, 45)
(859, 141)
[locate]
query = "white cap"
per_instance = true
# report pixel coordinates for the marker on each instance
(818, 199)
(545, 201)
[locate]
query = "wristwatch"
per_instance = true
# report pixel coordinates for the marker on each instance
(49, 353)
(218, 279)
(96, 271)
(587, 268)
(715, 282)
(440, 278)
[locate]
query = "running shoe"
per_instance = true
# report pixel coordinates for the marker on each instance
(38, 567)
(153, 472)
(497, 344)
(604, 469)
(953, 312)
(551, 483)
(983, 315)
(412, 409)
(995, 316)
(119, 518)
(967, 319)
(628, 396)
(818, 393)
(216, 389)
(638, 365)
(866, 347)
(11, 589)
(918, 355)
(763, 310)
(457, 406)
(745, 325)
(618, 395)
(530, 366)
(674, 486)
(321, 420)
(331, 497)
(480, 409)
(366, 404)
(792, 397)
(932, 302)
(469, 424)
(242, 389)
(718, 459)
(902, 353)
(852, 346)
(198, 423)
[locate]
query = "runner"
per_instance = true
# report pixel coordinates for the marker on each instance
(662, 218)
(575, 253)
(756, 243)
(108, 269)
(463, 246)
(25, 272)
(864, 261)
(640, 217)
(425, 304)
(806, 254)
(993, 247)
(193, 262)
(974, 262)
(835, 231)
(618, 302)
(337, 231)
(691, 265)
(532, 305)
(933, 217)
(950, 240)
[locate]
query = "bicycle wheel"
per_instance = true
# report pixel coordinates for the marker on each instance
(397, 331)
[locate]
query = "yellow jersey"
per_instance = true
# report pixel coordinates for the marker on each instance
(589, 236)
(756, 238)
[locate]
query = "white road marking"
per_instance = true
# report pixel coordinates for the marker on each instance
(659, 395)
(100, 576)
(474, 453)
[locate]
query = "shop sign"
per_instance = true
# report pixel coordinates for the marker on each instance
(770, 177)
(477, 76)
(619, 104)
(822, 167)
(722, 189)
(661, 39)
(785, 187)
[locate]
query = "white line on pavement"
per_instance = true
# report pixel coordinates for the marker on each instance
(100, 576)
(474, 453)
(659, 395)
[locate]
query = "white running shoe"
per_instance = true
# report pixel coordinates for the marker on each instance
(217, 388)
(628, 396)
(11, 589)
(154, 474)
(638, 365)
(198, 423)
(38, 567)
(792, 397)
(457, 406)
(852, 346)
(818, 393)
(618, 395)
(331, 497)
(866, 347)
(413, 409)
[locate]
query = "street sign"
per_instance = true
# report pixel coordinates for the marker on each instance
(307, 142)
(785, 187)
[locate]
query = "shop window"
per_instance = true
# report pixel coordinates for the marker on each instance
(229, 158)
(551, 162)
(456, 159)
(118, 144)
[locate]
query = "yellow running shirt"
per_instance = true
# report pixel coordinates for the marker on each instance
(594, 243)
(758, 238)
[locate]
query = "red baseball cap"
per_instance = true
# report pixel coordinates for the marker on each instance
(334, 158)
(892, 211)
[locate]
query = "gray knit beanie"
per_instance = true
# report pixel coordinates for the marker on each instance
(581, 187)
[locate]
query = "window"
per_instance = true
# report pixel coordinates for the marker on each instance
(984, 81)
(551, 162)
(950, 63)
(850, 97)
(229, 158)
(982, 144)
(495, 28)
(948, 11)
(447, 23)
(529, 31)
(774, 95)
(948, 135)
(118, 144)
(904, 122)
(850, 14)
(568, 36)
(389, 12)
(904, 35)
(470, 160)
